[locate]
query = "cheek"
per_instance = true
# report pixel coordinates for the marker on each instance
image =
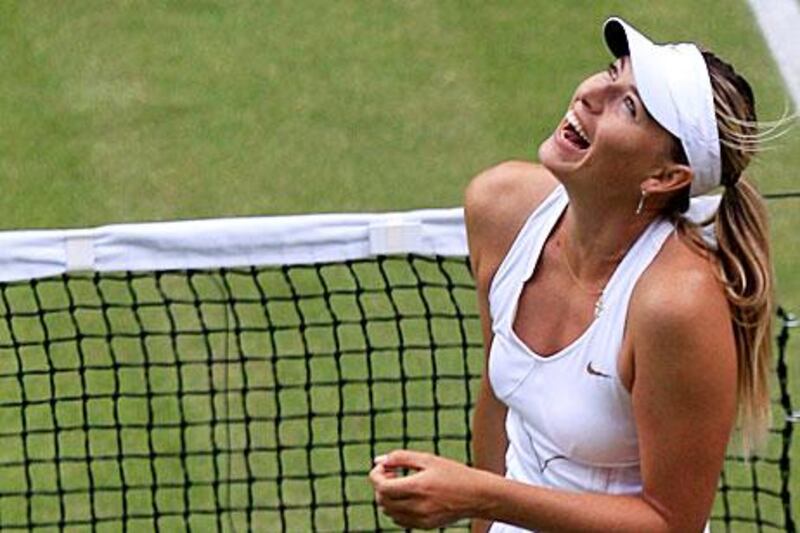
(629, 147)
(623, 139)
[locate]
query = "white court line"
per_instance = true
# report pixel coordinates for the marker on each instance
(780, 23)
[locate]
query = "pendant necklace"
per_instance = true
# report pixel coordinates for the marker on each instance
(599, 304)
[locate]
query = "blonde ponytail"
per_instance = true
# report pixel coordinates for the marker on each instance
(742, 244)
(745, 270)
(743, 255)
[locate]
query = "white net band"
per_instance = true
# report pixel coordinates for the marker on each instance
(231, 242)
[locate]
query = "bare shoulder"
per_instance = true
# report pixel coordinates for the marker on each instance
(496, 204)
(679, 284)
(679, 315)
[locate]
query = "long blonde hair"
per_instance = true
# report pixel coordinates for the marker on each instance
(742, 251)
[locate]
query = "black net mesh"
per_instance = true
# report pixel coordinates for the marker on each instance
(255, 399)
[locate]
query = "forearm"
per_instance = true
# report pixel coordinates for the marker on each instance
(502, 500)
(441, 491)
(489, 442)
(489, 454)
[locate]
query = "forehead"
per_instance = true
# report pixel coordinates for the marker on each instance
(623, 64)
(624, 67)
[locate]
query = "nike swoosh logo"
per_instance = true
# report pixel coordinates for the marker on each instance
(594, 372)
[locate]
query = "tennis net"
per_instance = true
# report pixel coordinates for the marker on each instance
(241, 374)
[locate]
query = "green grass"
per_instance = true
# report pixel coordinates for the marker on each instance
(130, 111)
(156, 110)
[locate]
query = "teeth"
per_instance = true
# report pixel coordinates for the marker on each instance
(573, 120)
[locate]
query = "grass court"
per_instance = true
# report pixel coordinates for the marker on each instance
(131, 111)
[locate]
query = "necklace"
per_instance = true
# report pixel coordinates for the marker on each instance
(599, 304)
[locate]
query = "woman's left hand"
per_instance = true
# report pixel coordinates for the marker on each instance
(438, 492)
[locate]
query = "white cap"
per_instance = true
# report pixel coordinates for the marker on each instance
(675, 87)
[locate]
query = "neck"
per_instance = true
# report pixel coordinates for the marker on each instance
(596, 235)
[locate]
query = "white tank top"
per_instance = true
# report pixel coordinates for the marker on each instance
(569, 424)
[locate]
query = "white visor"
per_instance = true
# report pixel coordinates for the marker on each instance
(674, 86)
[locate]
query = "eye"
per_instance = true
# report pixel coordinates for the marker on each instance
(631, 105)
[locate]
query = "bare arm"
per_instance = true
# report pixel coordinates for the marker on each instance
(496, 205)
(489, 441)
(684, 393)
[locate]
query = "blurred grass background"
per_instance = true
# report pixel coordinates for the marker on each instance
(127, 111)
(156, 110)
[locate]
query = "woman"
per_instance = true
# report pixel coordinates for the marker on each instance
(620, 342)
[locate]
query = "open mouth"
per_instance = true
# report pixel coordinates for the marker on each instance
(573, 132)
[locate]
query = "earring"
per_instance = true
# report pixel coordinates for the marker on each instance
(641, 202)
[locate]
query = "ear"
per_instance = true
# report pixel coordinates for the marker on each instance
(670, 178)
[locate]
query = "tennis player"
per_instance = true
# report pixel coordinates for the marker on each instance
(622, 339)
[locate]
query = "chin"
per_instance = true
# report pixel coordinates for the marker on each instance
(549, 157)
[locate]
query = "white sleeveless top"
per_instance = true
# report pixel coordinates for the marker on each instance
(569, 424)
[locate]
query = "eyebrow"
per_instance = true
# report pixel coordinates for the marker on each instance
(625, 60)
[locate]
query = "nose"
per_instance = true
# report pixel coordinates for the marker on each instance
(591, 99)
(593, 96)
